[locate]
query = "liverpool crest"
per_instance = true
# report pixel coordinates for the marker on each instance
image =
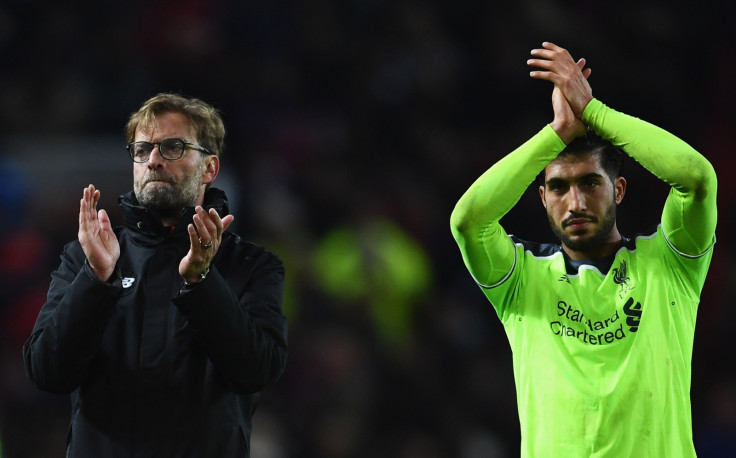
(621, 278)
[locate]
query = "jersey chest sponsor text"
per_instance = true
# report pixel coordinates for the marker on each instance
(571, 322)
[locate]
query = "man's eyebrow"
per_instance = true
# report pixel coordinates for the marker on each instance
(587, 176)
(555, 181)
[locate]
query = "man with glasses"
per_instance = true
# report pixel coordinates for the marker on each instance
(164, 330)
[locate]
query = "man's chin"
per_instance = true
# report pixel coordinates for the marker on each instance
(578, 241)
(157, 197)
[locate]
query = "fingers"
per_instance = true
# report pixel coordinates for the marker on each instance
(104, 220)
(226, 221)
(205, 235)
(96, 236)
(552, 46)
(557, 66)
(555, 62)
(193, 237)
(586, 71)
(88, 205)
(206, 225)
(209, 222)
(221, 224)
(95, 197)
(209, 227)
(549, 52)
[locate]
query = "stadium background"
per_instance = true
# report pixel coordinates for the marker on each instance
(353, 127)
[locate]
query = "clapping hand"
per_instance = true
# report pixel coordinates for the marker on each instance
(571, 93)
(99, 242)
(205, 236)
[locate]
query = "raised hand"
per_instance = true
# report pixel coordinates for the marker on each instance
(569, 76)
(205, 236)
(99, 242)
(571, 93)
(565, 124)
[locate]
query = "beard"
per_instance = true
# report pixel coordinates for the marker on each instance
(593, 241)
(169, 200)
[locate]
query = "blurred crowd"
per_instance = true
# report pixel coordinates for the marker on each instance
(353, 128)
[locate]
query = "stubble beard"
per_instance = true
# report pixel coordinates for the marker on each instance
(168, 201)
(592, 242)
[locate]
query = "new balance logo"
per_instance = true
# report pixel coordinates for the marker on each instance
(128, 282)
(632, 309)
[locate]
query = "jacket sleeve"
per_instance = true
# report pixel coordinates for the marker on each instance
(486, 248)
(689, 216)
(70, 325)
(244, 332)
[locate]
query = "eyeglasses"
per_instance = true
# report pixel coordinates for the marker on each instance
(170, 149)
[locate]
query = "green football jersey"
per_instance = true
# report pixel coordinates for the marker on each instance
(602, 360)
(601, 349)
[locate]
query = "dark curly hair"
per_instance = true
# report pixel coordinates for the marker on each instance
(611, 157)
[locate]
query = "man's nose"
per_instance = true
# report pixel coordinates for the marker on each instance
(577, 201)
(155, 159)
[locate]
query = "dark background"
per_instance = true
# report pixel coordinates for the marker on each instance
(353, 128)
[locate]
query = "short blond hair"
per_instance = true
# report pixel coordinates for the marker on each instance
(205, 119)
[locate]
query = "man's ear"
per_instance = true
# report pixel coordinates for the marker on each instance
(211, 169)
(541, 195)
(619, 187)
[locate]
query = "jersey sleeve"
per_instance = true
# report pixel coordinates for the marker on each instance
(689, 215)
(487, 250)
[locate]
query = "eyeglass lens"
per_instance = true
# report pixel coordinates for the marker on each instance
(170, 148)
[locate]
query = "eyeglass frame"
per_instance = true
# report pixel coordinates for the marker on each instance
(186, 144)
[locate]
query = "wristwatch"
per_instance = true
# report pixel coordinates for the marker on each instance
(202, 276)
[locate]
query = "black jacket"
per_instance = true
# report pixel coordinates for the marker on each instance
(155, 370)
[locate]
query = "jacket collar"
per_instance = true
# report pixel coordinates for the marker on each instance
(147, 222)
